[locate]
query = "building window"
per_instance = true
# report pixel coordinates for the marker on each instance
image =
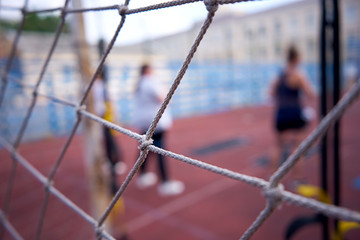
(277, 49)
(310, 20)
(353, 46)
(249, 34)
(351, 13)
(277, 27)
(262, 31)
(293, 22)
(311, 48)
(293, 25)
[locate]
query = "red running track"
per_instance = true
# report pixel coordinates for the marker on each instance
(212, 207)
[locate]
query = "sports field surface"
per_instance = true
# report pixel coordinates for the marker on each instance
(211, 207)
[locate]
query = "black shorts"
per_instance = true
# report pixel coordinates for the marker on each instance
(289, 118)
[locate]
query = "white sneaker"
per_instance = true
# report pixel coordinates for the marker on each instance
(171, 188)
(120, 168)
(146, 180)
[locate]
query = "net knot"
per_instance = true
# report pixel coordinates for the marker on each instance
(274, 194)
(211, 5)
(63, 12)
(23, 10)
(48, 185)
(99, 231)
(122, 9)
(80, 108)
(13, 155)
(144, 143)
(35, 93)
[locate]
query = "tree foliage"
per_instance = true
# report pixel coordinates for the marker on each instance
(36, 23)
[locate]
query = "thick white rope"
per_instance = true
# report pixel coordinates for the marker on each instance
(273, 191)
(48, 187)
(9, 227)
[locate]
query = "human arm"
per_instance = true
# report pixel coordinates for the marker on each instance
(158, 91)
(306, 86)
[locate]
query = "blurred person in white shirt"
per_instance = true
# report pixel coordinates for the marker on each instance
(149, 96)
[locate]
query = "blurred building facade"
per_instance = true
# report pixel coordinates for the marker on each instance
(262, 37)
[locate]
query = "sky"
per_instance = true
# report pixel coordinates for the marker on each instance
(139, 27)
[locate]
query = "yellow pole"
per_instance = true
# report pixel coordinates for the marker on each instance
(92, 132)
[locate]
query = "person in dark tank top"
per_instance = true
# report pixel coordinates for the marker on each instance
(289, 123)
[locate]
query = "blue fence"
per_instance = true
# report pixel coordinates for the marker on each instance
(206, 88)
(214, 87)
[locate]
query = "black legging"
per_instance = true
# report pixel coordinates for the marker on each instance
(158, 142)
(112, 154)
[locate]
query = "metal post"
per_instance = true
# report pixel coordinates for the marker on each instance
(323, 111)
(336, 97)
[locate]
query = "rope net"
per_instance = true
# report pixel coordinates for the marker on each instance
(273, 189)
